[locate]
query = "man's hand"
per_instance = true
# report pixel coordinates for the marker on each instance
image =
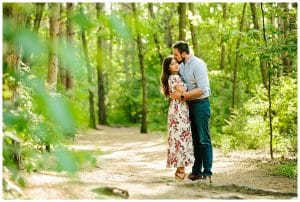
(175, 95)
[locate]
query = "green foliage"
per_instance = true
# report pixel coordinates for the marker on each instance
(288, 169)
(36, 116)
(285, 115)
(249, 126)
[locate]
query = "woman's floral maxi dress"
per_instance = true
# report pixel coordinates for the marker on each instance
(180, 150)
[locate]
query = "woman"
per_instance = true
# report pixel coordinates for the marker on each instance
(180, 150)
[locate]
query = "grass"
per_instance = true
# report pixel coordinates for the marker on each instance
(286, 169)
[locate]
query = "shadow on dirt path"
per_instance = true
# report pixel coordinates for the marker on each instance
(132, 165)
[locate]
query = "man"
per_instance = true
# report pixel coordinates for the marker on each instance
(195, 75)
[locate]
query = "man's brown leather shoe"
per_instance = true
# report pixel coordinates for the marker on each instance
(194, 177)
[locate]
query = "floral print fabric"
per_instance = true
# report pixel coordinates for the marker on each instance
(180, 144)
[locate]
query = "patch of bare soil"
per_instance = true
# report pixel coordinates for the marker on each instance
(132, 165)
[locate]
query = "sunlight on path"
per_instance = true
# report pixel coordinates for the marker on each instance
(136, 163)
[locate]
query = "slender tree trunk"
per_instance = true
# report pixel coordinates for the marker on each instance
(53, 57)
(70, 45)
(182, 21)
(26, 55)
(110, 51)
(263, 66)
(196, 47)
(269, 86)
(100, 74)
(62, 42)
(286, 60)
(223, 47)
(155, 36)
(142, 66)
(127, 51)
(92, 119)
(36, 25)
(38, 16)
(168, 28)
(236, 63)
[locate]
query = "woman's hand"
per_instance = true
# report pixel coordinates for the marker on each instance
(175, 95)
(180, 89)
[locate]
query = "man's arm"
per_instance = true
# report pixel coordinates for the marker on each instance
(189, 95)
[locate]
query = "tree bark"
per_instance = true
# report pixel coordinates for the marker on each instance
(155, 36)
(62, 42)
(36, 25)
(263, 65)
(70, 45)
(100, 74)
(92, 118)
(269, 87)
(236, 63)
(53, 57)
(168, 29)
(182, 21)
(223, 47)
(10, 55)
(196, 47)
(286, 60)
(142, 66)
(11, 65)
(38, 16)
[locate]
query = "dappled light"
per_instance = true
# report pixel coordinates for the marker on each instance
(87, 100)
(136, 163)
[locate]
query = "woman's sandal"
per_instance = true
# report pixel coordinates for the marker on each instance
(180, 176)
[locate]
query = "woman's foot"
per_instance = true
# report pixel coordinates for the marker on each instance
(180, 175)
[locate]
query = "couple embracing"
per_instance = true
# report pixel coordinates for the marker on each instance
(184, 80)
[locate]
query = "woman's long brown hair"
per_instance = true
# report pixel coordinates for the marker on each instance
(164, 85)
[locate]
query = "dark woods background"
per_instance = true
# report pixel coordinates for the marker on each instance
(71, 66)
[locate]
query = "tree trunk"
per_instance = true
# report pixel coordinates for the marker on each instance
(144, 81)
(110, 51)
(38, 16)
(26, 55)
(11, 63)
(62, 42)
(53, 58)
(196, 47)
(223, 47)
(269, 87)
(236, 63)
(155, 36)
(70, 45)
(168, 29)
(36, 25)
(182, 21)
(286, 60)
(92, 119)
(263, 66)
(100, 74)
(10, 55)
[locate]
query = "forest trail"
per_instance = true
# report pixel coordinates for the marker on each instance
(136, 163)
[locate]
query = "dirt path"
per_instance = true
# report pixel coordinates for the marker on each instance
(136, 163)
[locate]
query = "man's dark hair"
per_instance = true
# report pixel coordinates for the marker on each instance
(182, 47)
